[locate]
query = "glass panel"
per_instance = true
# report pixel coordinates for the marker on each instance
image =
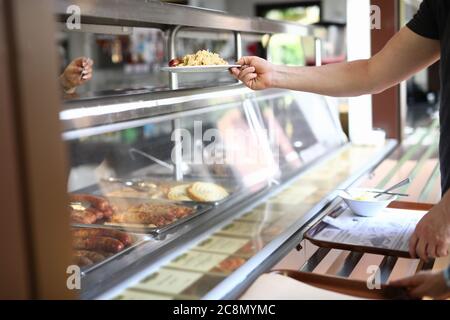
(295, 136)
(122, 61)
(129, 60)
(202, 267)
(169, 169)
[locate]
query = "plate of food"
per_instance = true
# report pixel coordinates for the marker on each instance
(201, 61)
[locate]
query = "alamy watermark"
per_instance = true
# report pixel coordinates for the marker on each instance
(375, 17)
(232, 146)
(73, 22)
(73, 281)
(374, 279)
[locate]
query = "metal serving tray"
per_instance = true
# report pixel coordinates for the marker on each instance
(103, 188)
(200, 208)
(138, 239)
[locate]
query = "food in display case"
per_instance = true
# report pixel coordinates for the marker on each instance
(123, 237)
(132, 214)
(144, 190)
(151, 214)
(88, 209)
(205, 192)
(93, 246)
(179, 193)
(200, 58)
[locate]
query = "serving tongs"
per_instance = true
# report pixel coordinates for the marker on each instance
(136, 184)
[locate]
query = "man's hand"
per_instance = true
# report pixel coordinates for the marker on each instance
(425, 284)
(431, 239)
(256, 73)
(77, 73)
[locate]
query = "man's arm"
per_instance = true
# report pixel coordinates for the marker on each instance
(404, 55)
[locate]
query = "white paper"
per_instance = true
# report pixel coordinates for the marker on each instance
(390, 229)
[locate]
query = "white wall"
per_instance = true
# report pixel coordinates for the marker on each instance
(359, 47)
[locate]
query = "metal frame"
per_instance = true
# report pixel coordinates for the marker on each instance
(153, 14)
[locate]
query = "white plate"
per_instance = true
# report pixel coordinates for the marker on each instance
(214, 68)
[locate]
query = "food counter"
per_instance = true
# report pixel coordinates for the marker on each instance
(191, 193)
(266, 207)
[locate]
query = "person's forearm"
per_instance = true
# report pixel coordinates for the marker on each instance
(404, 55)
(339, 80)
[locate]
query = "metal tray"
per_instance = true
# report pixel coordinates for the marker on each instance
(200, 208)
(104, 186)
(139, 239)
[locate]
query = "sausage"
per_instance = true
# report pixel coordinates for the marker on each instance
(98, 214)
(95, 257)
(85, 217)
(123, 237)
(97, 202)
(175, 62)
(98, 243)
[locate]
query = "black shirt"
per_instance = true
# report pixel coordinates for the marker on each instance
(431, 21)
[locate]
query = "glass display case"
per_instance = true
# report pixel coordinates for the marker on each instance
(200, 194)
(176, 191)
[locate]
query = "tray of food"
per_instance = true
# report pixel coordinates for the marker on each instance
(93, 247)
(201, 61)
(132, 214)
(187, 191)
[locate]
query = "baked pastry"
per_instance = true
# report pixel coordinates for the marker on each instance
(207, 192)
(179, 193)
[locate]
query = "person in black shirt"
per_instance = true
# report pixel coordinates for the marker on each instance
(424, 41)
